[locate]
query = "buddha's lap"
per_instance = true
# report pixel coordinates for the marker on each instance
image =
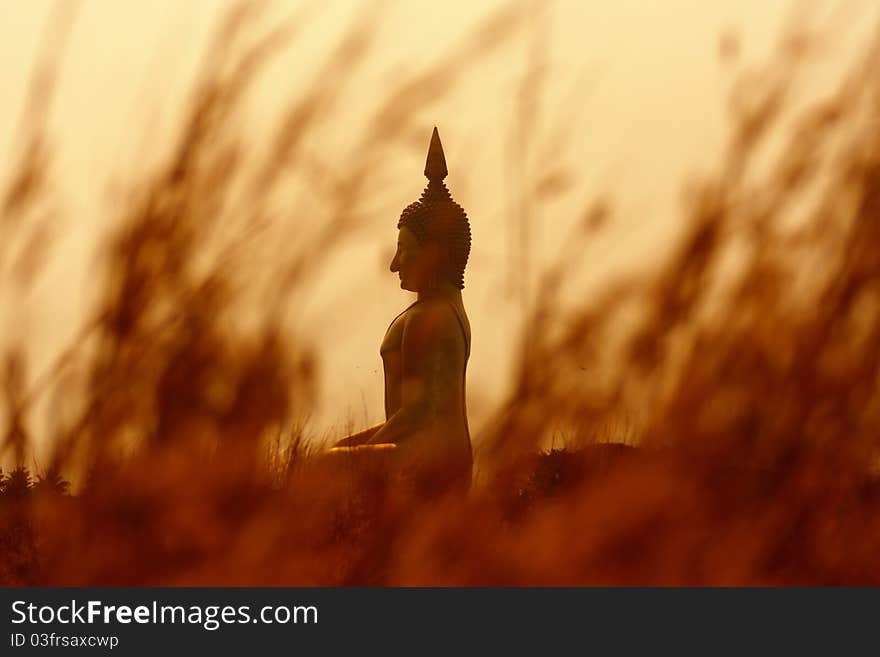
(429, 467)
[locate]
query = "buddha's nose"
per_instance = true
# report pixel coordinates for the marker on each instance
(395, 266)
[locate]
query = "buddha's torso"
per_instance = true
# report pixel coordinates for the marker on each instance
(444, 435)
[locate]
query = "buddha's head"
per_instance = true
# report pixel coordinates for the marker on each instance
(434, 238)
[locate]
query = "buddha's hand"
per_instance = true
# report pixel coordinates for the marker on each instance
(359, 438)
(348, 441)
(359, 449)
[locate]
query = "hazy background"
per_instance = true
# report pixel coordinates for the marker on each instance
(631, 94)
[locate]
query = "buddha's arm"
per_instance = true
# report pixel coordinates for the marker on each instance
(359, 438)
(409, 418)
(424, 360)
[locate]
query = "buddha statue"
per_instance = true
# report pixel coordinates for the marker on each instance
(426, 347)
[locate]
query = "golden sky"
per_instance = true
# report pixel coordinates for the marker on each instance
(638, 83)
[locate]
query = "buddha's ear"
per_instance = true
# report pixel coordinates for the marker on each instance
(434, 254)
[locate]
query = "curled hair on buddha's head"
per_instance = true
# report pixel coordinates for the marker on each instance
(437, 219)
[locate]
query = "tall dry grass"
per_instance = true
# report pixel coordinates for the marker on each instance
(747, 369)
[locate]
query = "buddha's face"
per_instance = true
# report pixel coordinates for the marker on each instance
(414, 263)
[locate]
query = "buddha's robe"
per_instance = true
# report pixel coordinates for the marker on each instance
(425, 353)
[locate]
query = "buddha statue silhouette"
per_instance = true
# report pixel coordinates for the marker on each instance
(426, 347)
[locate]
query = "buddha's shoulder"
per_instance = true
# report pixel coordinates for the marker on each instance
(431, 310)
(434, 317)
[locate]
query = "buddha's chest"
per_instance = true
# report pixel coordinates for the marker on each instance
(391, 351)
(393, 340)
